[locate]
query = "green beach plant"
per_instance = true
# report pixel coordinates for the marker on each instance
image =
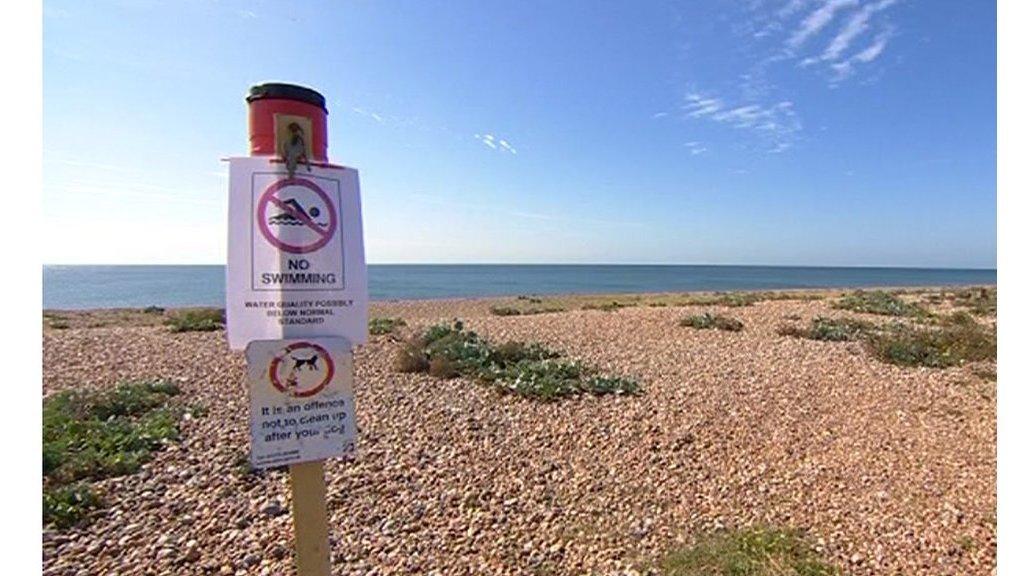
(96, 434)
(749, 552)
(383, 325)
(950, 341)
(612, 306)
(737, 299)
(743, 299)
(526, 311)
(65, 506)
(881, 303)
(711, 320)
(829, 329)
(197, 320)
(526, 369)
(956, 341)
(980, 300)
(529, 299)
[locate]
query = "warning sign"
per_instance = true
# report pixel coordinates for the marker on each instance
(295, 253)
(291, 214)
(301, 402)
(297, 243)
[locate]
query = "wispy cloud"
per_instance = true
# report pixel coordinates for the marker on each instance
(696, 148)
(776, 123)
(854, 27)
(397, 121)
(816, 21)
(876, 48)
(833, 39)
(697, 105)
(379, 119)
(501, 144)
(792, 7)
(846, 67)
(495, 143)
(814, 33)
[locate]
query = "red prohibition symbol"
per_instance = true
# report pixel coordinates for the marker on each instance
(295, 213)
(292, 368)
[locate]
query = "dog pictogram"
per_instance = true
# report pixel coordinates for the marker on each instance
(310, 362)
(296, 369)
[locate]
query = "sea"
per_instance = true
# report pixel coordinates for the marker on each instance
(85, 287)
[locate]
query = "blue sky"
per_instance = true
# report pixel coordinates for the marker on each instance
(815, 132)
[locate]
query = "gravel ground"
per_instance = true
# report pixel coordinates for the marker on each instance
(891, 470)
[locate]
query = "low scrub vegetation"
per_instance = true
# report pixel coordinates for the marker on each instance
(524, 311)
(709, 320)
(742, 299)
(612, 306)
(949, 341)
(829, 329)
(64, 506)
(879, 302)
(731, 299)
(380, 326)
(980, 301)
(91, 435)
(524, 305)
(955, 341)
(55, 321)
(986, 373)
(104, 318)
(197, 320)
(529, 370)
(749, 552)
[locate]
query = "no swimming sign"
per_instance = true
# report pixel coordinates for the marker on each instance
(296, 266)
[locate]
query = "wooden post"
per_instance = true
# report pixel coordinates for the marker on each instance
(269, 105)
(309, 514)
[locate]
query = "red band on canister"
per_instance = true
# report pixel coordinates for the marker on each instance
(269, 100)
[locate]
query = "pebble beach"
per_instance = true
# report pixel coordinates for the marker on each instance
(887, 469)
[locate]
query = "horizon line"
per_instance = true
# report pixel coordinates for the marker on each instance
(716, 265)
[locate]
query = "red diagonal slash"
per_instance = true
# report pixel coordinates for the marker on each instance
(297, 215)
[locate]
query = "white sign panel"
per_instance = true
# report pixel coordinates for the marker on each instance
(296, 266)
(301, 404)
